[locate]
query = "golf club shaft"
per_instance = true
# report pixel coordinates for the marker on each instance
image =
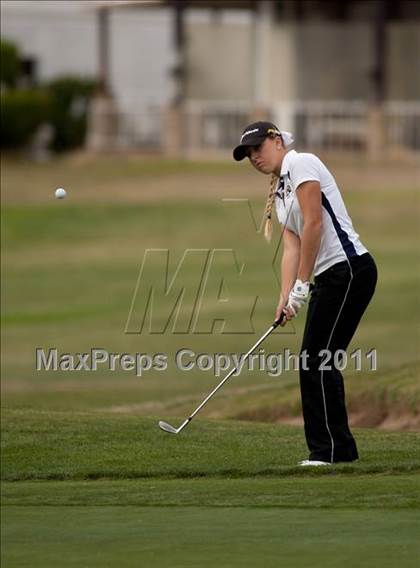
(261, 339)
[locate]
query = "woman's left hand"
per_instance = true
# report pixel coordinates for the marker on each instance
(297, 299)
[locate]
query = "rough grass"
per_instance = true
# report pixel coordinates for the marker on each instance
(392, 402)
(75, 446)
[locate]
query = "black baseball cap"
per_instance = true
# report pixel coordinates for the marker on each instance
(253, 135)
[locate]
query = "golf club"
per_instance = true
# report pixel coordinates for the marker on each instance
(171, 430)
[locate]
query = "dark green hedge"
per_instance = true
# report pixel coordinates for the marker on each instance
(10, 64)
(63, 103)
(22, 112)
(69, 104)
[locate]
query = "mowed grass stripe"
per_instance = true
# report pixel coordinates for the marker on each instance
(226, 537)
(66, 446)
(328, 491)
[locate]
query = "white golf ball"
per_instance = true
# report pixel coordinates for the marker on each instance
(60, 193)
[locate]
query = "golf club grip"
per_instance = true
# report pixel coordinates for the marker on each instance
(279, 321)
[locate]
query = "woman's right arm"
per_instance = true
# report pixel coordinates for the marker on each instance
(289, 267)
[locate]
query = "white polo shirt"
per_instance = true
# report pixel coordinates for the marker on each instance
(339, 241)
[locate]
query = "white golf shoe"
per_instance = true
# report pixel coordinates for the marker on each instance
(315, 463)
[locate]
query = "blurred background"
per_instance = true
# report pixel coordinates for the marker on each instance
(134, 108)
(182, 77)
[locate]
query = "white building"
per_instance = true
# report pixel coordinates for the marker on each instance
(309, 68)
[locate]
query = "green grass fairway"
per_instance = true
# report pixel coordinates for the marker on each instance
(200, 536)
(91, 459)
(88, 479)
(98, 489)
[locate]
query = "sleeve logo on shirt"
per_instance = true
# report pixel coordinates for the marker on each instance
(285, 186)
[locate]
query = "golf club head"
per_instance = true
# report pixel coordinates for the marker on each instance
(167, 427)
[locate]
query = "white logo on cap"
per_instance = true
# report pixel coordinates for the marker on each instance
(249, 132)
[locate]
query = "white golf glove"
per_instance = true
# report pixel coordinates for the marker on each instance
(298, 297)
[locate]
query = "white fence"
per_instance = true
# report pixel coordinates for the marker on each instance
(141, 128)
(317, 126)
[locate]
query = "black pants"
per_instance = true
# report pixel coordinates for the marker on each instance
(339, 297)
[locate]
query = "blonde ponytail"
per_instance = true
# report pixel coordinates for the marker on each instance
(268, 225)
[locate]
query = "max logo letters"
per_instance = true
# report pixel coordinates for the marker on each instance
(206, 290)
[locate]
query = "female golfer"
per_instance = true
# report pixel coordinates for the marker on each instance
(319, 239)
